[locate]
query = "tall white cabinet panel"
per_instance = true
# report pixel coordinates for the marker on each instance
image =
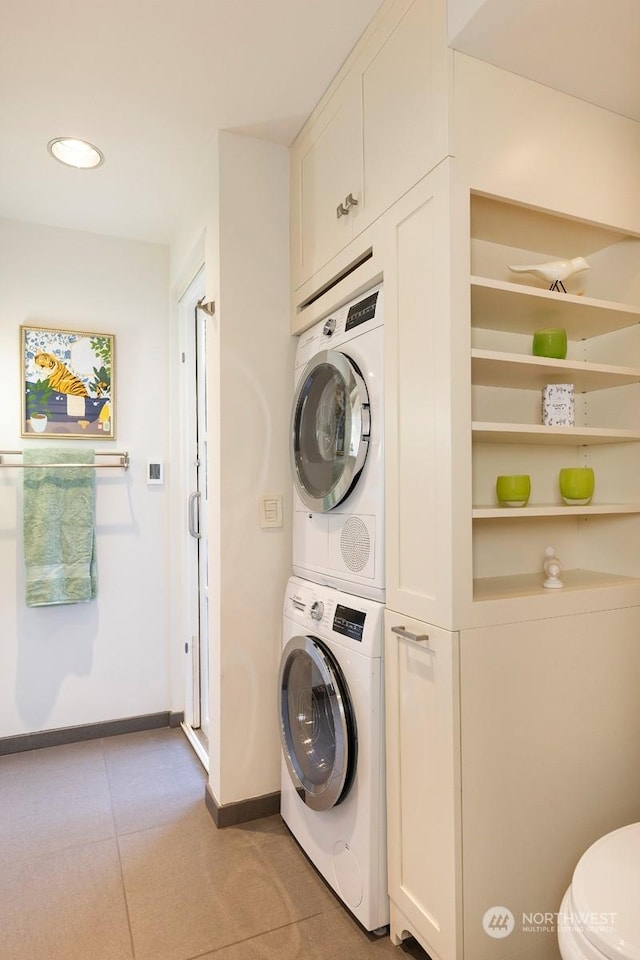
(381, 128)
(418, 416)
(421, 670)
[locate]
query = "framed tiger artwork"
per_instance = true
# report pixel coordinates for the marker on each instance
(68, 383)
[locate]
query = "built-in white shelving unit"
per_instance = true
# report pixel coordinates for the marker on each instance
(597, 541)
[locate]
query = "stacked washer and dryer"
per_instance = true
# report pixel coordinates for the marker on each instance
(331, 680)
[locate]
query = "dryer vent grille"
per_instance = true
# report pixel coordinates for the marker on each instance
(355, 544)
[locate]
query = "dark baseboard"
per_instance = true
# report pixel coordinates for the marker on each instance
(89, 731)
(230, 814)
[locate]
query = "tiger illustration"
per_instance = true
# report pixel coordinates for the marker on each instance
(60, 377)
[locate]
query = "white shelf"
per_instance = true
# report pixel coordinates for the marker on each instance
(514, 307)
(485, 432)
(530, 584)
(552, 510)
(490, 368)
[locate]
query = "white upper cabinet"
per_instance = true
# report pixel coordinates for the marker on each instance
(382, 127)
(326, 167)
(403, 88)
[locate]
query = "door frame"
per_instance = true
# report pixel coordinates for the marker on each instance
(192, 294)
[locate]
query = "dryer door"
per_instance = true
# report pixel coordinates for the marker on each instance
(317, 723)
(330, 429)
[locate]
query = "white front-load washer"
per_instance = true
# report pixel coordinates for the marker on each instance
(333, 747)
(337, 451)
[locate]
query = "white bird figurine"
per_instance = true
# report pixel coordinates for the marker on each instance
(555, 270)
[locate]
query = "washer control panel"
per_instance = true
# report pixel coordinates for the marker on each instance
(323, 611)
(349, 622)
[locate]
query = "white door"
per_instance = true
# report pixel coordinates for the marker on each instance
(194, 319)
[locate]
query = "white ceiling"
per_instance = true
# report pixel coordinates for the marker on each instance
(151, 81)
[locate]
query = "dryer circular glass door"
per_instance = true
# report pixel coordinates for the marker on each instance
(317, 723)
(330, 427)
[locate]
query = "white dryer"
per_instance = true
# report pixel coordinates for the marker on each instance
(337, 449)
(333, 746)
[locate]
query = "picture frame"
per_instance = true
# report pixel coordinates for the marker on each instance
(67, 383)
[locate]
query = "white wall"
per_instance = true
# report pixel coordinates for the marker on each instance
(242, 223)
(519, 139)
(256, 371)
(107, 659)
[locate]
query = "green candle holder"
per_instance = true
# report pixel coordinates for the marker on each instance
(550, 342)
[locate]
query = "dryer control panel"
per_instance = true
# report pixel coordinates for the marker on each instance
(361, 315)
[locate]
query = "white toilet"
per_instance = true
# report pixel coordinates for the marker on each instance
(600, 914)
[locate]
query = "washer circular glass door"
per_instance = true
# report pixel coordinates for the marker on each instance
(317, 724)
(330, 427)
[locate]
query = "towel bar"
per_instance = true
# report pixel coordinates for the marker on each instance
(123, 461)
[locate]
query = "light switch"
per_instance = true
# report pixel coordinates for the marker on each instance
(271, 510)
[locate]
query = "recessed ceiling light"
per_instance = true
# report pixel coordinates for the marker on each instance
(75, 153)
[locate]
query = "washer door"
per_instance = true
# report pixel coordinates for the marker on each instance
(330, 428)
(317, 723)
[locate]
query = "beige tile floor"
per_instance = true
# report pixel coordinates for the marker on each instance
(107, 852)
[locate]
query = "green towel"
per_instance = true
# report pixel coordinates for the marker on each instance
(59, 527)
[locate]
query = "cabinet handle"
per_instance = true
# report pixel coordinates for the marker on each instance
(341, 211)
(418, 637)
(350, 201)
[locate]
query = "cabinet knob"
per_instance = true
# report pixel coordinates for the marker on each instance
(417, 637)
(343, 208)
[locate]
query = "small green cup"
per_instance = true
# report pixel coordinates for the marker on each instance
(551, 342)
(577, 485)
(513, 490)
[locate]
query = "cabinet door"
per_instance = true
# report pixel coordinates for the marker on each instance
(384, 127)
(325, 168)
(423, 784)
(550, 716)
(419, 410)
(403, 91)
